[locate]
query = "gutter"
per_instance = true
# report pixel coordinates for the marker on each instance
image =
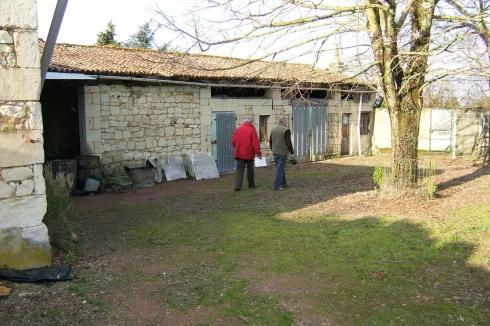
(177, 82)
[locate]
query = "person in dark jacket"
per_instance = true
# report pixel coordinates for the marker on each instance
(247, 146)
(281, 146)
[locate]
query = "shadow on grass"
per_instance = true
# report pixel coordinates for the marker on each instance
(370, 271)
(210, 246)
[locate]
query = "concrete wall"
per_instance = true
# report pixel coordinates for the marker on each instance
(24, 241)
(469, 127)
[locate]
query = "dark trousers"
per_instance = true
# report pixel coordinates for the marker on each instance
(240, 170)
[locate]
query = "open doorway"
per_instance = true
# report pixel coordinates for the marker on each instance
(59, 102)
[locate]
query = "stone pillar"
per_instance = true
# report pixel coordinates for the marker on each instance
(89, 119)
(24, 241)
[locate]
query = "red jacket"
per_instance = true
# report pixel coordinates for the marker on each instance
(246, 142)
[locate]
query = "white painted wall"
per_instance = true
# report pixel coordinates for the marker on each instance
(468, 130)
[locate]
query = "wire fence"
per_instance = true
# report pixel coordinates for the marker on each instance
(409, 177)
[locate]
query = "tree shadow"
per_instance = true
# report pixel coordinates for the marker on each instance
(368, 271)
(463, 179)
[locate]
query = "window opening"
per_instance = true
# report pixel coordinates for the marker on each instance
(263, 120)
(365, 119)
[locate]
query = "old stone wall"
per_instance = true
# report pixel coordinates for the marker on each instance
(336, 108)
(273, 107)
(122, 124)
(24, 241)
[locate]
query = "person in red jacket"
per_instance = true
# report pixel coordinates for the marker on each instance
(247, 146)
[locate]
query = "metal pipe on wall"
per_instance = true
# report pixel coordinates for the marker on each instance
(54, 29)
(359, 140)
(178, 82)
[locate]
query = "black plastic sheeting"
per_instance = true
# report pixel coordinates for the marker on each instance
(47, 275)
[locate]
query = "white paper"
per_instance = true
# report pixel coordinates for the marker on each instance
(259, 162)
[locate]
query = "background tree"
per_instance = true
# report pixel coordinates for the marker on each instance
(394, 40)
(107, 37)
(142, 39)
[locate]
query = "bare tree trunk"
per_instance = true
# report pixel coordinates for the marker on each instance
(404, 139)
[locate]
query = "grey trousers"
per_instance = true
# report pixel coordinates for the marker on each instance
(240, 171)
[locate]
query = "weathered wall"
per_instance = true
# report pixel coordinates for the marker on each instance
(272, 106)
(335, 108)
(122, 124)
(24, 241)
(467, 131)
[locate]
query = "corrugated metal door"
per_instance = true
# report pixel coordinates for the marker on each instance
(309, 132)
(223, 126)
(300, 132)
(318, 120)
(440, 130)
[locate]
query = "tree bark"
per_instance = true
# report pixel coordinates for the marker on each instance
(404, 139)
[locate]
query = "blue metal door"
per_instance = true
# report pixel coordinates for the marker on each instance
(223, 126)
(309, 131)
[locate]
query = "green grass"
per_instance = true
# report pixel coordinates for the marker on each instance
(83, 282)
(268, 258)
(370, 271)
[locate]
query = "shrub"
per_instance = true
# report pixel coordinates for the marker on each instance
(61, 231)
(378, 176)
(431, 189)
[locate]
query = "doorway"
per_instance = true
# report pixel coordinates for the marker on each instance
(345, 142)
(309, 132)
(223, 126)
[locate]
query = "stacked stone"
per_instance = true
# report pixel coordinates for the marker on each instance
(137, 122)
(24, 241)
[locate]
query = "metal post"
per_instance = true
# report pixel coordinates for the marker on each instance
(455, 145)
(359, 136)
(54, 29)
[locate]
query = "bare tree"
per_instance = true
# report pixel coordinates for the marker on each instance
(470, 16)
(394, 39)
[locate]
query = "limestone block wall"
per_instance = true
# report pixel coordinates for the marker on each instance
(24, 241)
(336, 107)
(272, 106)
(122, 124)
